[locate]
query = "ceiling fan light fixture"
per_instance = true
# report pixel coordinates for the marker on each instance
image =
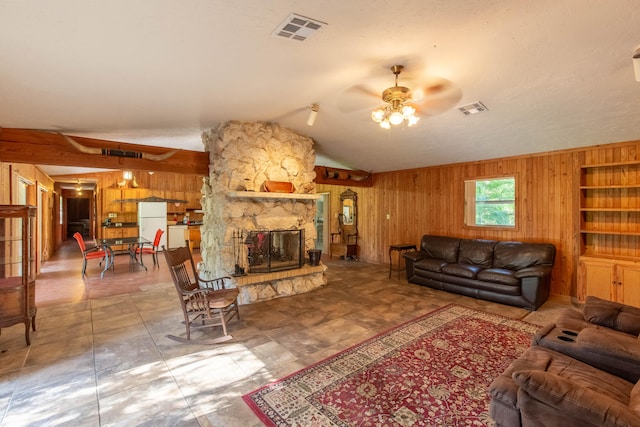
(396, 118)
(398, 108)
(377, 115)
(408, 111)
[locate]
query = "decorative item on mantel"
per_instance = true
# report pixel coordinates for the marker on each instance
(346, 177)
(278, 187)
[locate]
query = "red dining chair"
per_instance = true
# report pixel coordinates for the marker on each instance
(94, 252)
(153, 250)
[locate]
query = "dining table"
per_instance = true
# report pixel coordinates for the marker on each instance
(133, 244)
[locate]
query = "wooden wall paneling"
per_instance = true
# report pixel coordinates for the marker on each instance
(431, 201)
(5, 183)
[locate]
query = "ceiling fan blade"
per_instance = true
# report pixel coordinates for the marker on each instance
(358, 97)
(441, 104)
(437, 96)
(433, 87)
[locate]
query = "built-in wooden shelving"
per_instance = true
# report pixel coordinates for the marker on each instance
(610, 209)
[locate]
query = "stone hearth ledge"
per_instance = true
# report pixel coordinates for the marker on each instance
(266, 286)
(278, 196)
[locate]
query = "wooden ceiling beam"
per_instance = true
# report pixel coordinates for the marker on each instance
(50, 148)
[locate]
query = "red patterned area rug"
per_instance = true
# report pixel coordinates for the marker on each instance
(430, 371)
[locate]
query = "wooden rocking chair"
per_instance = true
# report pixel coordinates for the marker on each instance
(205, 303)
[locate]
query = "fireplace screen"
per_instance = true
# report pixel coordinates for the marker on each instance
(275, 250)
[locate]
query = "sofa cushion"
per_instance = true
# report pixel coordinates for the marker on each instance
(575, 400)
(634, 399)
(518, 255)
(430, 264)
(440, 247)
(461, 270)
(476, 252)
(612, 315)
(498, 275)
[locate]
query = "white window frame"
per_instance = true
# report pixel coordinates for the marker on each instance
(470, 203)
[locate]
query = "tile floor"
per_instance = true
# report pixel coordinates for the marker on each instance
(100, 356)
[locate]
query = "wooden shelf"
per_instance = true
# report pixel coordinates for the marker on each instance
(276, 196)
(606, 257)
(614, 233)
(608, 187)
(612, 164)
(609, 209)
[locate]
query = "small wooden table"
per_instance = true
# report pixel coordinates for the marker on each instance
(132, 244)
(400, 249)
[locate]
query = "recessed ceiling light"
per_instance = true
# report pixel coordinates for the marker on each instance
(473, 108)
(297, 27)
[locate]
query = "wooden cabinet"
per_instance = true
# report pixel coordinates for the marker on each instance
(109, 204)
(17, 267)
(176, 207)
(194, 200)
(610, 279)
(192, 234)
(133, 194)
(119, 232)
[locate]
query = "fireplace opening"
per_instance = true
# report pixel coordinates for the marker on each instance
(275, 250)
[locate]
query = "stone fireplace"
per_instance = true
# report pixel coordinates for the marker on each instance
(242, 157)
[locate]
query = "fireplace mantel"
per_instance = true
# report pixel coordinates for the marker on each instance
(263, 195)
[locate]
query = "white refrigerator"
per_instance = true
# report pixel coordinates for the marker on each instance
(151, 216)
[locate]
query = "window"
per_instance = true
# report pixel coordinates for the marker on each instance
(490, 202)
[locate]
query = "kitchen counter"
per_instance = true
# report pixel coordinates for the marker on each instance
(121, 225)
(192, 234)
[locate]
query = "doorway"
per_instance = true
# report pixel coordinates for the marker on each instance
(78, 217)
(322, 218)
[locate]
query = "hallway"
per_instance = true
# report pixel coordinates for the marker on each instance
(100, 356)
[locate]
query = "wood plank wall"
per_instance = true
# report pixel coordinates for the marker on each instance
(9, 173)
(165, 181)
(431, 201)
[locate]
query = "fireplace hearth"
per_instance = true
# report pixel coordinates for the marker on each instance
(274, 250)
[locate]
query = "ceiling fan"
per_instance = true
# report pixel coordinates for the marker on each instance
(402, 104)
(399, 107)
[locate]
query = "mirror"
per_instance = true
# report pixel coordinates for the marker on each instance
(344, 243)
(348, 201)
(347, 211)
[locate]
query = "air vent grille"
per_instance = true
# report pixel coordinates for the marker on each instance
(297, 27)
(473, 108)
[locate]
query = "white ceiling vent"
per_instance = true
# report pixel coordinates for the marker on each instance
(473, 108)
(297, 27)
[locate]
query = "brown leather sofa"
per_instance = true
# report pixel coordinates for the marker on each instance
(513, 273)
(583, 370)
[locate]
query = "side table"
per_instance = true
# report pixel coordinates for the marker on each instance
(400, 249)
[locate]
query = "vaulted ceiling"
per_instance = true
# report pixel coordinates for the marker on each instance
(554, 74)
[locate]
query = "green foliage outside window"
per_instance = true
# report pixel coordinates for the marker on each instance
(495, 202)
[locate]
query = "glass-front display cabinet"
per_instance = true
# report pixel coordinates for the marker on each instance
(18, 267)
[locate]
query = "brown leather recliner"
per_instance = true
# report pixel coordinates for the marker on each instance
(547, 388)
(604, 335)
(582, 370)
